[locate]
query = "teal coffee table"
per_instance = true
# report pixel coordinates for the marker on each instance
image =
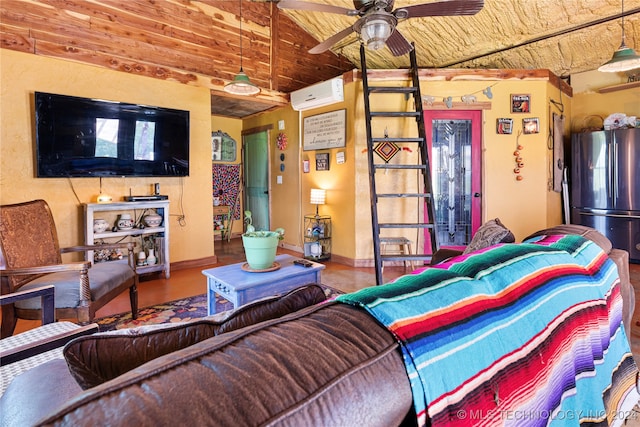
(240, 287)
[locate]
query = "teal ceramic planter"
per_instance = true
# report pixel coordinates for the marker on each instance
(261, 251)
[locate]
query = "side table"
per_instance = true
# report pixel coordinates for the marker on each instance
(222, 213)
(241, 287)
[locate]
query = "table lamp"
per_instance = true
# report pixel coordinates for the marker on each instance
(318, 197)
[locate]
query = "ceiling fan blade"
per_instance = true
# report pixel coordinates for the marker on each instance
(444, 8)
(398, 44)
(315, 7)
(326, 45)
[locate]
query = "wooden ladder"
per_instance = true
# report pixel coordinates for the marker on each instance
(378, 169)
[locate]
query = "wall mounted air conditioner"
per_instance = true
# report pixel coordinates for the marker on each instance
(318, 95)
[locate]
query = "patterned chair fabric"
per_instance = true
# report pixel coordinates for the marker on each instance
(30, 256)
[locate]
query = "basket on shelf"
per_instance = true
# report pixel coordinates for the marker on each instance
(592, 123)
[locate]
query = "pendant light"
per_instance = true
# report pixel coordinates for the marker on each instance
(241, 85)
(624, 59)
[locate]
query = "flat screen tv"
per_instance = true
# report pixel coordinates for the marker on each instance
(82, 137)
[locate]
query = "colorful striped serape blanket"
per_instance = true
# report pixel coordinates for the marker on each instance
(516, 334)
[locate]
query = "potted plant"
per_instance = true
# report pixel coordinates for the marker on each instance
(260, 246)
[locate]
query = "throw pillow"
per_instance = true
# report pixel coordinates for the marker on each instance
(490, 233)
(100, 357)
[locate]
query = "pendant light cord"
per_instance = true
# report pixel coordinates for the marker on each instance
(241, 33)
(622, 22)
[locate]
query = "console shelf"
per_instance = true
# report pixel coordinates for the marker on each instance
(317, 239)
(137, 209)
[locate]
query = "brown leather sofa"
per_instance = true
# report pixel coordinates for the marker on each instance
(326, 364)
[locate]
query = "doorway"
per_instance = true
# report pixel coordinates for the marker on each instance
(256, 177)
(455, 147)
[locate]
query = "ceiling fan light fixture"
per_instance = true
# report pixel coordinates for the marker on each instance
(376, 30)
(241, 85)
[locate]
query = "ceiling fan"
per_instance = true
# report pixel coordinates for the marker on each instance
(377, 20)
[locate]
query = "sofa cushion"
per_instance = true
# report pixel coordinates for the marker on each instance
(620, 258)
(97, 358)
(36, 393)
(581, 230)
(329, 364)
(490, 233)
(104, 277)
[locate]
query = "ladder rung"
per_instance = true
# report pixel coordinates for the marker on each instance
(406, 225)
(394, 166)
(395, 114)
(420, 169)
(407, 257)
(404, 195)
(402, 140)
(392, 89)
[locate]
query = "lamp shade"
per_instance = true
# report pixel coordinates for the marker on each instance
(241, 85)
(318, 196)
(624, 59)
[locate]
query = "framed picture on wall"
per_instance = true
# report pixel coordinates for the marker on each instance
(322, 161)
(504, 126)
(520, 103)
(531, 125)
(223, 147)
(324, 131)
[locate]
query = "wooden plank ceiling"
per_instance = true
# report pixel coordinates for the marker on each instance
(191, 42)
(198, 42)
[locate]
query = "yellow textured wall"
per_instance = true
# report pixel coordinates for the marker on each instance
(590, 107)
(524, 206)
(21, 74)
(290, 200)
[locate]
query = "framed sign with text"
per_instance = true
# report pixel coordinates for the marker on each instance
(323, 131)
(322, 162)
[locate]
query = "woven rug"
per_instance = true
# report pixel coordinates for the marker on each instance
(180, 310)
(175, 311)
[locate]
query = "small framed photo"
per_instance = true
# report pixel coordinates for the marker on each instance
(530, 125)
(322, 161)
(520, 103)
(504, 126)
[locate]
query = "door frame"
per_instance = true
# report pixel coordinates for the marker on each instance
(260, 129)
(476, 118)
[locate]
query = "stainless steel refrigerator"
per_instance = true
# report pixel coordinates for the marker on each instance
(605, 185)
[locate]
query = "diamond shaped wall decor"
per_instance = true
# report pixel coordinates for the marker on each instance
(386, 150)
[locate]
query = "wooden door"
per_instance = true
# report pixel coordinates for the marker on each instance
(256, 177)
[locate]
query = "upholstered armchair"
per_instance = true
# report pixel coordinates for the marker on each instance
(31, 257)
